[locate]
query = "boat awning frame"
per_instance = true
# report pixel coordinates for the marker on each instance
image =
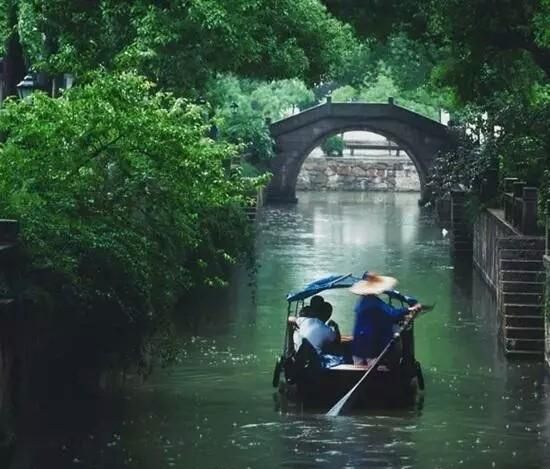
(334, 281)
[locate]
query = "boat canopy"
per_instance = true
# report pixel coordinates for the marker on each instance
(326, 283)
(340, 281)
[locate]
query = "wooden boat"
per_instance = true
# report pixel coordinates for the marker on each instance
(394, 382)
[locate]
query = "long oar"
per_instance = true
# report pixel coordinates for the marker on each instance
(337, 408)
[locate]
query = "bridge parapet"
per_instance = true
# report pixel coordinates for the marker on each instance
(356, 110)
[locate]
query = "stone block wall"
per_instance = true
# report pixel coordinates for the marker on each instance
(512, 265)
(358, 174)
(488, 228)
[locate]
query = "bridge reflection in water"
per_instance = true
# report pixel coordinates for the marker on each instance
(215, 409)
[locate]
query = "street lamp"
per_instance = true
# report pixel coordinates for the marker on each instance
(26, 86)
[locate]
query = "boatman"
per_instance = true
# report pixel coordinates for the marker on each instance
(374, 318)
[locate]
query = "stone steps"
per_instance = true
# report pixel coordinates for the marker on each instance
(523, 298)
(523, 243)
(524, 333)
(524, 321)
(517, 309)
(461, 234)
(523, 287)
(524, 346)
(522, 276)
(461, 238)
(521, 265)
(527, 354)
(521, 254)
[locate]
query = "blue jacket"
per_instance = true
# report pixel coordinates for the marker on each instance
(374, 320)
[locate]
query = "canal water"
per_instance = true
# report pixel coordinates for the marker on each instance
(216, 407)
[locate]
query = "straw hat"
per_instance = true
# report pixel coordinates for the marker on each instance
(373, 284)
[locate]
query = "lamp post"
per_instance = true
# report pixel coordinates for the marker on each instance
(26, 86)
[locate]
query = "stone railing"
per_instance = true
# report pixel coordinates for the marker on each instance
(520, 206)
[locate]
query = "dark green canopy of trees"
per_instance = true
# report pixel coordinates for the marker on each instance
(483, 46)
(130, 168)
(123, 191)
(179, 43)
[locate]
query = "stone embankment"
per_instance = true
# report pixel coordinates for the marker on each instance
(359, 174)
(509, 254)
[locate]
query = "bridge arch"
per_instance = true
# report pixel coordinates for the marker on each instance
(296, 136)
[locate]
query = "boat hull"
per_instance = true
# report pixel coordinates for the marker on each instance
(383, 388)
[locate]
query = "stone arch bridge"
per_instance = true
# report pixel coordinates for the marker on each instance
(296, 136)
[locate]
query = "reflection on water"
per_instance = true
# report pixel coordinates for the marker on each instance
(216, 408)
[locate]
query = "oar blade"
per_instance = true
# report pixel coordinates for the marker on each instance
(336, 408)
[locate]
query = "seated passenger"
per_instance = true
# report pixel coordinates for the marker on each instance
(333, 352)
(316, 304)
(324, 315)
(374, 318)
(313, 329)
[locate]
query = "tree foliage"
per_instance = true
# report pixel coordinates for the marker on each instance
(180, 44)
(510, 134)
(478, 43)
(123, 201)
(333, 146)
(241, 108)
(423, 100)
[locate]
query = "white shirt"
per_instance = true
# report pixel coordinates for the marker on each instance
(315, 331)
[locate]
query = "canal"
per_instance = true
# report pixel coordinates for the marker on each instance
(216, 407)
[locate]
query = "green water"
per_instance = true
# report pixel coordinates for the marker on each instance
(216, 409)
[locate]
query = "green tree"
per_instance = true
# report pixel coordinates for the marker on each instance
(179, 45)
(123, 201)
(241, 107)
(478, 43)
(423, 100)
(333, 146)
